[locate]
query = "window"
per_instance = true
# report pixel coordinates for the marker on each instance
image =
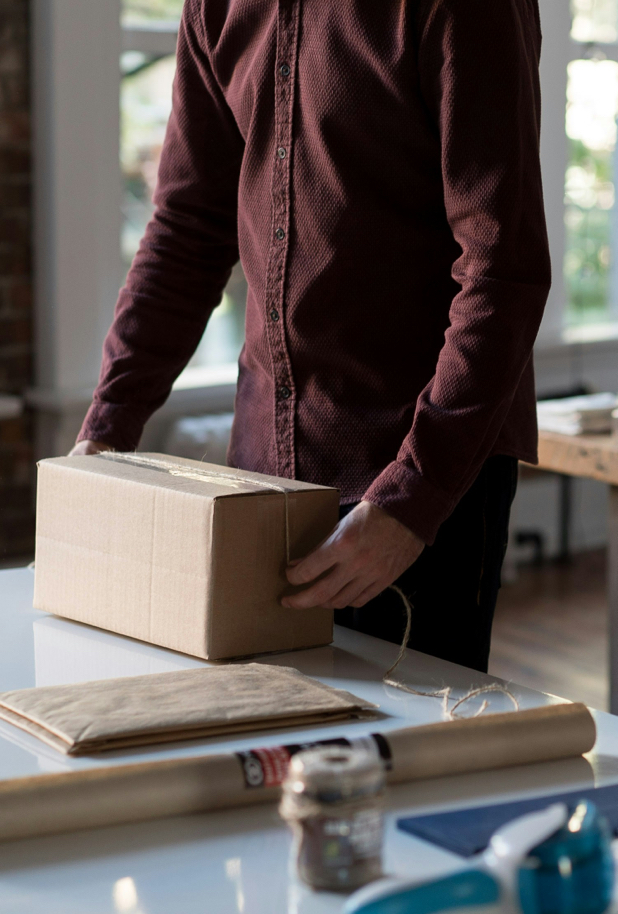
(147, 66)
(591, 247)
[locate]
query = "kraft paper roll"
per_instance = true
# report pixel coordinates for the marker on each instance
(491, 741)
(54, 803)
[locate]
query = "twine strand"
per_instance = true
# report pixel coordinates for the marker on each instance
(446, 694)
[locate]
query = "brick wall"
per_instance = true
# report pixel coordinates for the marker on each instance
(16, 363)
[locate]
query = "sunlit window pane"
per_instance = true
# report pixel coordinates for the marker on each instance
(145, 103)
(145, 106)
(594, 20)
(592, 106)
(135, 12)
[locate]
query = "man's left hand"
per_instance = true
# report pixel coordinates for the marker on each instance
(367, 551)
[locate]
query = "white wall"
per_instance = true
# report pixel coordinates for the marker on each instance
(536, 508)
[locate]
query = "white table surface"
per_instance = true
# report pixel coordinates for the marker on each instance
(236, 860)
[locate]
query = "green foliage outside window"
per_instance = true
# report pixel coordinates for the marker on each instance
(151, 10)
(594, 20)
(592, 106)
(588, 233)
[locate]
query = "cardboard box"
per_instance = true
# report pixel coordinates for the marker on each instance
(178, 553)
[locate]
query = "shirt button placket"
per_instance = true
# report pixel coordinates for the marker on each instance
(287, 36)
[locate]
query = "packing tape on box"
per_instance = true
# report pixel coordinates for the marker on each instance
(54, 803)
(222, 478)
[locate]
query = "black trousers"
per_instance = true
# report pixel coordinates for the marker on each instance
(453, 585)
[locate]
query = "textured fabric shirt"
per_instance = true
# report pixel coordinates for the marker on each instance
(375, 166)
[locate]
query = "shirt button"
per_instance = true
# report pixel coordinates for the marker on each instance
(281, 152)
(285, 393)
(280, 234)
(284, 69)
(274, 315)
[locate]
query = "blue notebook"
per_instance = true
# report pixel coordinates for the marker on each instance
(467, 831)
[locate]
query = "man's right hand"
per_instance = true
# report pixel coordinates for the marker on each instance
(83, 448)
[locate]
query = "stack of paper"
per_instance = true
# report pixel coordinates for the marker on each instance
(590, 414)
(163, 707)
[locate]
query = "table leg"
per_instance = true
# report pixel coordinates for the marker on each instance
(566, 498)
(612, 576)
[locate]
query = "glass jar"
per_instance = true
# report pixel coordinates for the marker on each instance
(333, 798)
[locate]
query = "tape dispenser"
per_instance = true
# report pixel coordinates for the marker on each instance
(557, 861)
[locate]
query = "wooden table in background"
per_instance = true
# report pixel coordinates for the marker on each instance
(593, 457)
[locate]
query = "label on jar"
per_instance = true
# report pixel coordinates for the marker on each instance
(267, 767)
(346, 841)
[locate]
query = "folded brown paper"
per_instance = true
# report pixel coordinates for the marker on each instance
(54, 803)
(179, 553)
(136, 710)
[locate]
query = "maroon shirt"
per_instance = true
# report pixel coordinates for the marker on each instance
(375, 165)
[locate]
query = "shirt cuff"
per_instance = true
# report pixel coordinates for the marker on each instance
(408, 497)
(119, 427)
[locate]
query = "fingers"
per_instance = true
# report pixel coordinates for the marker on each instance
(346, 595)
(86, 448)
(369, 593)
(319, 593)
(331, 593)
(314, 564)
(363, 554)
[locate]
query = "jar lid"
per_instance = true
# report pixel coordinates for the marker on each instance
(331, 774)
